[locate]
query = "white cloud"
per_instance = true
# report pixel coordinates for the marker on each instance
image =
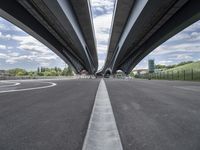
(14, 54)
(182, 47)
(164, 62)
(37, 52)
(7, 26)
(3, 27)
(10, 47)
(181, 57)
(141, 66)
(14, 57)
(34, 48)
(181, 36)
(5, 37)
(102, 3)
(101, 63)
(2, 46)
(102, 49)
(17, 47)
(30, 44)
(3, 56)
(186, 36)
(102, 24)
(100, 7)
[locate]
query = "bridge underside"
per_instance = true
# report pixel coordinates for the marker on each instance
(147, 25)
(60, 26)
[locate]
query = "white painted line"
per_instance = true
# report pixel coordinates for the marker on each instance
(34, 88)
(14, 84)
(102, 133)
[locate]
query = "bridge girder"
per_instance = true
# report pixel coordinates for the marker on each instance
(58, 25)
(148, 25)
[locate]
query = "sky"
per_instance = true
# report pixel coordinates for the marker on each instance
(102, 11)
(184, 46)
(18, 49)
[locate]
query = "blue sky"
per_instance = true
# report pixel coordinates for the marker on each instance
(184, 46)
(18, 49)
(102, 11)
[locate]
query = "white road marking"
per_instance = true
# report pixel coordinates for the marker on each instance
(102, 133)
(15, 83)
(34, 88)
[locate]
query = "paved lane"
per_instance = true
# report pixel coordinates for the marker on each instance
(156, 115)
(53, 118)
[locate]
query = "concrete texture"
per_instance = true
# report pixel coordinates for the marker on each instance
(102, 133)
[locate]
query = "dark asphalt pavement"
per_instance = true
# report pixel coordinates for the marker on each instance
(156, 115)
(54, 118)
(150, 114)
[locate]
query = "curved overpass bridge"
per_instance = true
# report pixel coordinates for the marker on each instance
(139, 26)
(65, 26)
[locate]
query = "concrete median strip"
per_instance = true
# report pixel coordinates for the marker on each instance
(102, 133)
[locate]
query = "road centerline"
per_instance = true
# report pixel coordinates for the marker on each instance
(102, 133)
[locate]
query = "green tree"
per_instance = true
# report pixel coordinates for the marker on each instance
(47, 73)
(38, 70)
(70, 73)
(42, 69)
(132, 74)
(31, 73)
(64, 72)
(18, 72)
(160, 66)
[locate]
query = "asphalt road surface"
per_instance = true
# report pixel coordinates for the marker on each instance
(156, 115)
(50, 118)
(54, 114)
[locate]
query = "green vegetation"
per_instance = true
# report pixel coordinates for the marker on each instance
(173, 66)
(41, 71)
(187, 66)
(182, 71)
(17, 72)
(132, 74)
